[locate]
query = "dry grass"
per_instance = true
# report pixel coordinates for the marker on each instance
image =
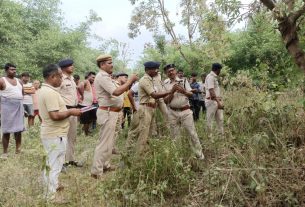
(260, 162)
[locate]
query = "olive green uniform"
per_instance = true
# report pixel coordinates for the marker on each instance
(145, 113)
(158, 84)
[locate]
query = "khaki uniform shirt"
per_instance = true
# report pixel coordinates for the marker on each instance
(50, 100)
(68, 90)
(104, 87)
(146, 88)
(211, 82)
(179, 100)
(157, 81)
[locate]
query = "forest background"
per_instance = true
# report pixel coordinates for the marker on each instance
(261, 160)
(33, 34)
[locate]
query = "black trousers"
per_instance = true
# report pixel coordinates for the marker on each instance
(202, 106)
(126, 112)
(195, 107)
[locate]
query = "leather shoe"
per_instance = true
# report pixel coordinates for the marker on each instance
(73, 163)
(110, 168)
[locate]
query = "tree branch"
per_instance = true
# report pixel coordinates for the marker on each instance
(169, 27)
(296, 15)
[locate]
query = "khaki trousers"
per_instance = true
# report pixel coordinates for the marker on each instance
(178, 119)
(160, 126)
(71, 139)
(212, 112)
(133, 131)
(140, 128)
(103, 151)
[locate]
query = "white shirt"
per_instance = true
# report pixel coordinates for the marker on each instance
(135, 90)
(11, 91)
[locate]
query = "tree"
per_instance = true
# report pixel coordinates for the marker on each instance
(195, 15)
(32, 35)
(119, 50)
(288, 14)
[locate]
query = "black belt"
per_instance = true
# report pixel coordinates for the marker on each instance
(71, 107)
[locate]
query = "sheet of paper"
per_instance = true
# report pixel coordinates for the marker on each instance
(87, 108)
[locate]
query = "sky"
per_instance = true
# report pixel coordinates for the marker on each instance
(115, 16)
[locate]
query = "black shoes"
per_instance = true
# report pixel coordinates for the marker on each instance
(73, 164)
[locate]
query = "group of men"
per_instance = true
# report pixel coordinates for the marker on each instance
(58, 109)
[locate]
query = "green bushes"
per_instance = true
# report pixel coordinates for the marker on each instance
(256, 163)
(259, 162)
(164, 172)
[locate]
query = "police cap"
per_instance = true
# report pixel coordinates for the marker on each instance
(104, 57)
(121, 74)
(168, 66)
(151, 65)
(65, 63)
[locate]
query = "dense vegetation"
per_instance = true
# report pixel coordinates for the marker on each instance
(259, 162)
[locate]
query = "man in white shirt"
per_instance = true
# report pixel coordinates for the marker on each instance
(213, 100)
(133, 96)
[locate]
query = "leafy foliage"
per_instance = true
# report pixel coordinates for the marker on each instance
(32, 36)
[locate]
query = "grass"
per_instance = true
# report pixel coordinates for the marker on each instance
(260, 162)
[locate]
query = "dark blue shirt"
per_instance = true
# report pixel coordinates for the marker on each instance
(195, 95)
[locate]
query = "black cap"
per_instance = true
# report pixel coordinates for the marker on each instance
(65, 63)
(151, 65)
(168, 66)
(121, 74)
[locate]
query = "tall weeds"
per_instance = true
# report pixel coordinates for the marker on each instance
(259, 162)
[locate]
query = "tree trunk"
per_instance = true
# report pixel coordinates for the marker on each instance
(290, 37)
(288, 29)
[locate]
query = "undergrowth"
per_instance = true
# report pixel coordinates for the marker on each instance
(259, 162)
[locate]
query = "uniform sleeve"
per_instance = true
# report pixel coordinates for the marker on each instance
(187, 85)
(106, 83)
(51, 101)
(147, 86)
(210, 82)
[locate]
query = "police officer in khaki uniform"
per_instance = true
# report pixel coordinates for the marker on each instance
(179, 112)
(148, 95)
(161, 106)
(110, 99)
(68, 92)
(213, 101)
